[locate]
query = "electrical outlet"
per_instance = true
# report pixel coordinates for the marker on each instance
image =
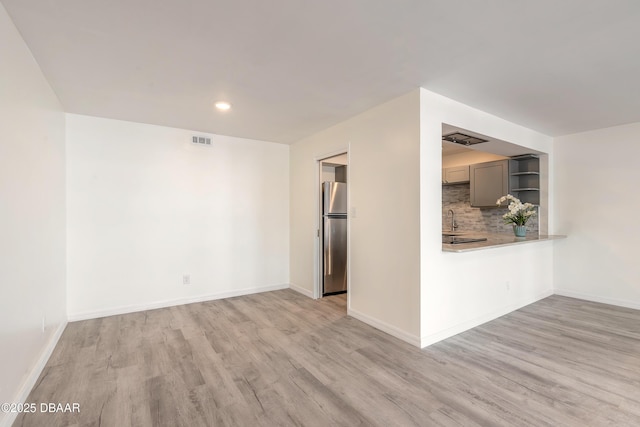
(186, 279)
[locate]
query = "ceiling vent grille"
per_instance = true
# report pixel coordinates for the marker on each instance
(463, 139)
(201, 140)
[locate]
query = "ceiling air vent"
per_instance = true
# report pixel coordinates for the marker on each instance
(461, 138)
(201, 140)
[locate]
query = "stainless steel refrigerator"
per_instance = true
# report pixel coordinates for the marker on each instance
(334, 232)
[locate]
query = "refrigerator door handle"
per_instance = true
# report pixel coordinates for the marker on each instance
(327, 253)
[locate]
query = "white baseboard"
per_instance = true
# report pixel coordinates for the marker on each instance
(428, 340)
(596, 298)
(385, 327)
(303, 291)
(30, 381)
(94, 314)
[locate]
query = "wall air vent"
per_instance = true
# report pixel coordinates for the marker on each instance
(462, 139)
(201, 140)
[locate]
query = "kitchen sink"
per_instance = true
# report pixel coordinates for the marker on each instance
(456, 240)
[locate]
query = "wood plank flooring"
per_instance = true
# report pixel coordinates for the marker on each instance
(279, 358)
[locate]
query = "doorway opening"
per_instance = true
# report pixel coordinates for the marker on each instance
(333, 254)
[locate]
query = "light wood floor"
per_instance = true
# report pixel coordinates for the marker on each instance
(280, 358)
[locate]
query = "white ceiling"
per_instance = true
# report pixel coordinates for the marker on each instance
(293, 67)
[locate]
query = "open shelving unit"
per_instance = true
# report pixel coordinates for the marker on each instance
(524, 178)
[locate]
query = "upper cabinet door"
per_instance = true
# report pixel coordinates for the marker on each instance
(455, 175)
(489, 182)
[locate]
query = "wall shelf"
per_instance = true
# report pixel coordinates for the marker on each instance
(525, 157)
(524, 178)
(524, 173)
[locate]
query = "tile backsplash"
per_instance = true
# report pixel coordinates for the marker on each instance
(486, 220)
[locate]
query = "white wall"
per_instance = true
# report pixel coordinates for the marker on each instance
(32, 218)
(597, 205)
(146, 206)
(384, 234)
(340, 159)
(461, 290)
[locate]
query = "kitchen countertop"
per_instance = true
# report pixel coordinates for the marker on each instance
(495, 240)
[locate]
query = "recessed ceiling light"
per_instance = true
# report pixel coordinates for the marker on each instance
(221, 105)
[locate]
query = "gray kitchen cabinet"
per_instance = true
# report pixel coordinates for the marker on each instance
(489, 181)
(455, 175)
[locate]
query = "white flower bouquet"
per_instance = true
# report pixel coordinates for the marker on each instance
(519, 213)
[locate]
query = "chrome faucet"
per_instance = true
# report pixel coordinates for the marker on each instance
(454, 225)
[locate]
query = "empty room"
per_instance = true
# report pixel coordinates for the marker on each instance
(307, 213)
